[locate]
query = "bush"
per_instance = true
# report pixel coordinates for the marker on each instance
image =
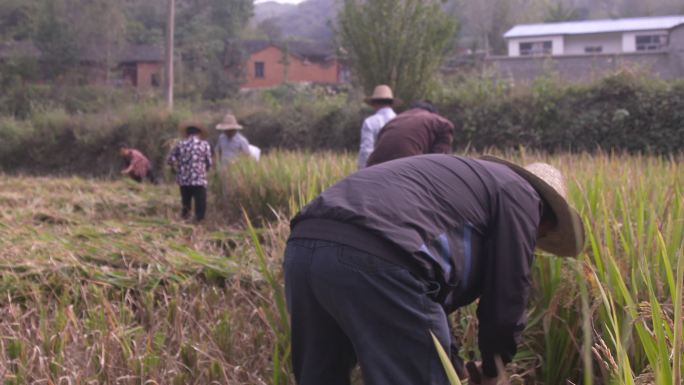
(312, 120)
(57, 142)
(621, 113)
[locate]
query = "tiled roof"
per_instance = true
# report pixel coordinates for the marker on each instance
(315, 52)
(126, 54)
(142, 53)
(596, 26)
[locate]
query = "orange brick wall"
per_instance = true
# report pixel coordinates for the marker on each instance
(145, 73)
(298, 71)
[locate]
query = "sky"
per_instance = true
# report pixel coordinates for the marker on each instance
(280, 1)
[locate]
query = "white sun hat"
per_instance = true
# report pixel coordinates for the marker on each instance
(567, 238)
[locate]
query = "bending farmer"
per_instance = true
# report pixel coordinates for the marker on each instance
(378, 261)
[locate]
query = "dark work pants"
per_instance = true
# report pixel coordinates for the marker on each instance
(150, 176)
(199, 194)
(347, 306)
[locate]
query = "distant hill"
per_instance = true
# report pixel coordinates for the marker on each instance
(309, 20)
(271, 9)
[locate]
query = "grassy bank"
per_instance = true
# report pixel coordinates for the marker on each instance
(623, 113)
(101, 282)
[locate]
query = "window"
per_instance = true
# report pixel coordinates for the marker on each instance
(259, 70)
(593, 49)
(651, 42)
(535, 48)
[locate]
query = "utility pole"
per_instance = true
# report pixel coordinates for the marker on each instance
(170, 28)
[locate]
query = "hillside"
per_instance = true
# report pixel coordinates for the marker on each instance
(271, 9)
(309, 20)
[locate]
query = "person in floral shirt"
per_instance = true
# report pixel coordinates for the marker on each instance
(191, 159)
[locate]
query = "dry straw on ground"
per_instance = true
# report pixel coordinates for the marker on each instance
(101, 283)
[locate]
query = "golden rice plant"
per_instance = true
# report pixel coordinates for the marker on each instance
(100, 281)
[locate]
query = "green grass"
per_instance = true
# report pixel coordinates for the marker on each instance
(101, 283)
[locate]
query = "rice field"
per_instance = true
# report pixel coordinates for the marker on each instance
(101, 283)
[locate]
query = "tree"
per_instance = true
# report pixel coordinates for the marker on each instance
(271, 29)
(401, 43)
(145, 21)
(56, 40)
(560, 12)
(100, 31)
(18, 19)
(203, 28)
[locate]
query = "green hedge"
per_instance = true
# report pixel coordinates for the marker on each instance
(56, 142)
(622, 113)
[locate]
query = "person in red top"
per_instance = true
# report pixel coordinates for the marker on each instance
(138, 167)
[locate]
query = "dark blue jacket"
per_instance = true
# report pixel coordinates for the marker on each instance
(467, 225)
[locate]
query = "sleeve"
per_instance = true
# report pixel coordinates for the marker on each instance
(244, 146)
(366, 145)
(443, 138)
(172, 160)
(506, 278)
(207, 154)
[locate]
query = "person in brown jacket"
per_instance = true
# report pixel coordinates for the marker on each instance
(417, 131)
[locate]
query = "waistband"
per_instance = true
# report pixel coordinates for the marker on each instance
(353, 236)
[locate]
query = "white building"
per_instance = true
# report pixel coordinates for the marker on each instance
(592, 37)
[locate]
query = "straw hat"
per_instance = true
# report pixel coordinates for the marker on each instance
(204, 132)
(567, 238)
(229, 123)
(381, 92)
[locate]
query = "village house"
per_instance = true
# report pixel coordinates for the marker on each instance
(592, 36)
(585, 50)
(142, 66)
(269, 64)
(139, 66)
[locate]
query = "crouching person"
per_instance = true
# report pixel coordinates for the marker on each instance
(378, 261)
(138, 167)
(191, 160)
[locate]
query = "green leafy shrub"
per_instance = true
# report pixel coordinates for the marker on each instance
(78, 132)
(622, 113)
(57, 142)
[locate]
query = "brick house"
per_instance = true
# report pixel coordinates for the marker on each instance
(142, 66)
(139, 66)
(269, 64)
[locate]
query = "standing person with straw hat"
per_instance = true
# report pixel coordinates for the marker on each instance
(375, 264)
(381, 101)
(191, 159)
(230, 143)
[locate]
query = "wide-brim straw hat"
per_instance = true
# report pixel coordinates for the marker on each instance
(381, 92)
(229, 122)
(183, 128)
(567, 239)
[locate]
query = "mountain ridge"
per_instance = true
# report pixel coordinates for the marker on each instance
(309, 20)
